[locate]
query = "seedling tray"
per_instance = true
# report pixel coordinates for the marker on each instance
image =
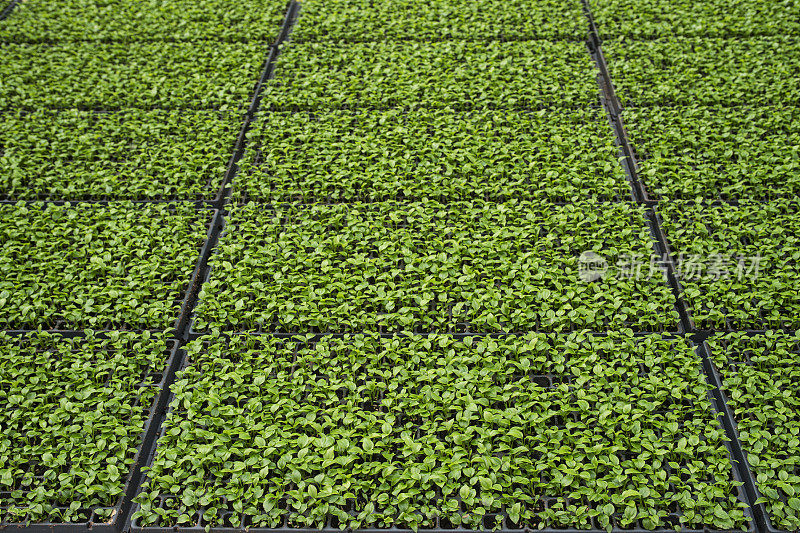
(121, 509)
(750, 486)
(280, 159)
(460, 330)
(347, 22)
(332, 528)
(666, 141)
(321, 87)
(670, 324)
(731, 325)
(186, 297)
(314, 337)
(654, 198)
(442, 525)
(108, 149)
(199, 204)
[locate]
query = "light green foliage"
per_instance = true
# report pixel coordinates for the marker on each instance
(461, 74)
(95, 266)
(366, 20)
(717, 152)
(72, 419)
(142, 74)
(429, 267)
(647, 19)
(687, 71)
(441, 154)
(761, 375)
(730, 295)
(616, 430)
(82, 155)
(136, 20)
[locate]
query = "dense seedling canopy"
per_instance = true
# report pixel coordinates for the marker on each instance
(94, 266)
(138, 20)
(748, 254)
(420, 20)
(727, 72)
(106, 76)
(466, 266)
(415, 251)
(132, 154)
(542, 430)
(461, 74)
(717, 153)
(72, 418)
(647, 19)
(344, 156)
(760, 374)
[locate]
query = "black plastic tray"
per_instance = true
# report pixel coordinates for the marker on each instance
(740, 456)
(663, 249)
(690, 323)
(187, 297)
(8, 9)
(123, 506)
(193, 290)
(201, 272)
(630, 173)
(461, 330)
(736, 466)
(614, 108)
(331, 527)
(223, 194)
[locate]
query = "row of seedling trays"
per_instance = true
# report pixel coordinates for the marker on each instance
(268, 433)
(498, 268)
